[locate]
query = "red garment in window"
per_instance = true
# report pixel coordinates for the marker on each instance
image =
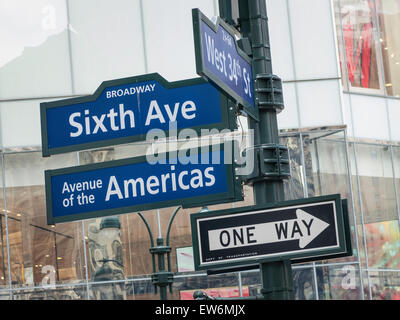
(363, 52)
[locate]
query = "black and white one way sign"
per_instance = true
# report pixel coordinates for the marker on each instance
(304, 228)
(293, 229)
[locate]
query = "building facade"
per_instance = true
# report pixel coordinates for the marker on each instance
(340, 66)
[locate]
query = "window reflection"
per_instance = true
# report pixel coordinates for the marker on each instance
(25, 23)
(383, 240)
(294, 187)
(3, 252)
(118, 247)
(360, 49)
(303, 283)
(66, 293)
(376, 183)
(385, 285)
(40, 254)
(389, 22)
(339, 282)
(327, 172)
(369, 49)
(379, 207)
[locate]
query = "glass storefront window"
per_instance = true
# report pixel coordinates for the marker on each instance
(252, 280)
(368, 45)
(117, 248)
(3, 253)
(375, 173)
(340, 42)
(326, 169)
(339, 282)
(383, 240)
(4, 279)
(294, 187)
(389, 22)
(385, 285)
(5, 295)
(304, 284)
(40, 254)
(360, 48)
(396, 165)
(61, 293)
(379, 206)
(356, 202)
(221, 285)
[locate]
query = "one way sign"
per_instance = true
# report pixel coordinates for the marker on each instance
(306, 229)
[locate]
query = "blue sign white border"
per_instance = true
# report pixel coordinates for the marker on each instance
(227, 113)
(198, 16)
(234, 191)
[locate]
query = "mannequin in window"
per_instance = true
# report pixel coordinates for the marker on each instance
(357, 19)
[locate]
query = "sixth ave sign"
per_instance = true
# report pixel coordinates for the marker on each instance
(306, 229)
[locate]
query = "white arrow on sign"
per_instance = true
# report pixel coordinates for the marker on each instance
(305, 229)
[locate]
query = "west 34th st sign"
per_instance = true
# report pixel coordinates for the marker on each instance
(221, 61)
(125, 110)
(297, 230)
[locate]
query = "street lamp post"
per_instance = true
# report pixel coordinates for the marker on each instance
(162, 278)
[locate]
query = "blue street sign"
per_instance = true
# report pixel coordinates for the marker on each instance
(219, 59)
(125, 110)
(129, 185)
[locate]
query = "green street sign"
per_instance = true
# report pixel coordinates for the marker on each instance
(299, 230)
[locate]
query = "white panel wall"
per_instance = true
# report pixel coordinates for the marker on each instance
(370, 119)
(289, 118)
(169, 36)
(281, 44)
(394, 118)
(374, 161)
(19, 168)
(319, 103)
(348, 118)
(20, 123)
(303, 31)
(314, 41)
(34, 55)
(304, 52)
(106, 41)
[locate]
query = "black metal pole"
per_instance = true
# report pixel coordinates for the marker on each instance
(276, 277)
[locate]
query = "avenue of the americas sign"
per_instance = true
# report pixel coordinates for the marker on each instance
(220, 60)
(133, 184)
(125, 110)
(305, 229)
